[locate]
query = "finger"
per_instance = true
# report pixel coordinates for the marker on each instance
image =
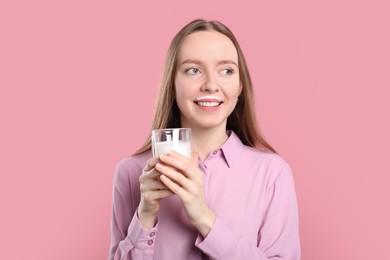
(150, 180)
(157, 195)
(152, 174)
(174, 187)
(180, 162)
(174, 175)
(151, 163)
(155, 185)
(160, 194)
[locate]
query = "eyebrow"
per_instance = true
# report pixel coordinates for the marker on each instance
(221, 62)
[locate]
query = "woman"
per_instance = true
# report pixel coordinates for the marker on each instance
(235, 198)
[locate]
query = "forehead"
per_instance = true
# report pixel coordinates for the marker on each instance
(207, 45)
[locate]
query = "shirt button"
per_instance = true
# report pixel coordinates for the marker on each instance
(152, 234)
(150, 242)
(215, 152)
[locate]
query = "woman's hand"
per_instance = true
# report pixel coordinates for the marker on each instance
(183, 177)
(152, 191)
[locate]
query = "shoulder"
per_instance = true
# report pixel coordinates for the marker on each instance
(254, 158)
(269, 162)
(271, 169)
(131, 167)
(134, 161)
(270, 158)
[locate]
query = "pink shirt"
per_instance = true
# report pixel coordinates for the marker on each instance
(250, 191)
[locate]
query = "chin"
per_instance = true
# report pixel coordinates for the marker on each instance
(209, 124)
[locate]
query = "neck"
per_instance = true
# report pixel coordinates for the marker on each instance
(206, 140)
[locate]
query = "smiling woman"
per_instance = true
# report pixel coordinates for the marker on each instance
(235, 198)
(207, 82)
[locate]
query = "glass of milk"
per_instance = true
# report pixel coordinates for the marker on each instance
(176, 139)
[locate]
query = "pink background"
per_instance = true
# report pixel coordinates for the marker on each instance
(78, 85)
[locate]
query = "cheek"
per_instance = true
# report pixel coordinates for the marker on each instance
(182, 89)
(233, 89)
(178, 87)
(179, 95)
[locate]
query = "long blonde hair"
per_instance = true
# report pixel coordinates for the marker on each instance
(242, 120)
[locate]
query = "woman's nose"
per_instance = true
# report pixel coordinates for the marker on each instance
(210, 84)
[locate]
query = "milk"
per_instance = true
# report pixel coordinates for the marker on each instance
(182, 147)
(176, 139)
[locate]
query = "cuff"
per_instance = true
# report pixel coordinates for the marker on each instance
(141, 238)
(219, 242)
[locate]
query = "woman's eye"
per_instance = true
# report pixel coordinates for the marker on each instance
(227, 71)
(192, 71)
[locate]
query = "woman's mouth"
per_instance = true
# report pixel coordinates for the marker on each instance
(208, 103)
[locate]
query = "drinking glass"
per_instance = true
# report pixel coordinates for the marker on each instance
(176, 139)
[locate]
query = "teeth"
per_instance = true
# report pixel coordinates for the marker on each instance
(218, 99)
(208, 104)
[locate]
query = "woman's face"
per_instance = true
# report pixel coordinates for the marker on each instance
(207, 81)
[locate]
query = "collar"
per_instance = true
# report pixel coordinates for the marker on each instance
(232, 148)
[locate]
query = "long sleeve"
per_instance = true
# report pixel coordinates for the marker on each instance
(250, 191)
(128, 239)
(278, 237)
